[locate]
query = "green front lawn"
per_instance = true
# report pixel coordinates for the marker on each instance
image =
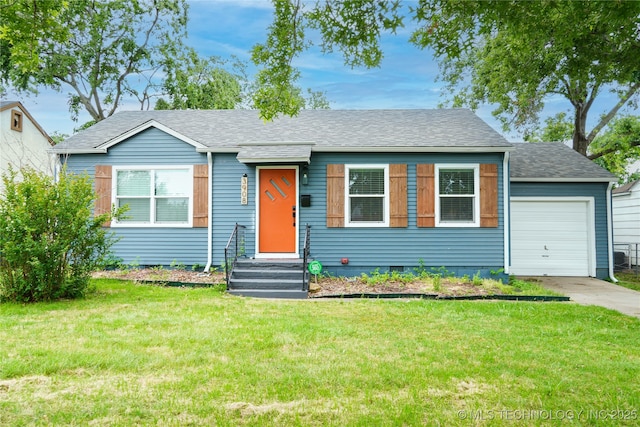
(145, 355)
(629, 279)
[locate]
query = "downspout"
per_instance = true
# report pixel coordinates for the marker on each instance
(506, 184)
(209, 212)
(610, 232)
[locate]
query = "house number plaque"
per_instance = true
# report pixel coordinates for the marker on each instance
(244, 189)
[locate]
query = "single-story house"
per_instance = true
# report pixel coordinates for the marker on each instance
(387, 189)
(23, 142)
(626, 223)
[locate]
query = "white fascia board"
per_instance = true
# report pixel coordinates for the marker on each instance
(564, 180)
(411, 149)
(250, 160)
(64, 151)
(346, 149)
(273, 143)
(144, 126)
(221, 150)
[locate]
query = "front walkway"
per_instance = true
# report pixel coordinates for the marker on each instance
(590, 291)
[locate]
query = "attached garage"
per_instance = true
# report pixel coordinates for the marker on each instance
(560, 213)
(552, 237)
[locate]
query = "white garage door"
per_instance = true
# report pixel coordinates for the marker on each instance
(551, 237)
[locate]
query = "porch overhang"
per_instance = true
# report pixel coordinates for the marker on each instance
(275, 153)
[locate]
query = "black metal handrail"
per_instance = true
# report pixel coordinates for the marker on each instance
(305, 256)
(234, 249)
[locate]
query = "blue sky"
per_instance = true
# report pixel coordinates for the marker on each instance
(406, 78)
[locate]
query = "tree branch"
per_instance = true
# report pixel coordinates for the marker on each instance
(132, 59)
(611, 114)
(611, 150)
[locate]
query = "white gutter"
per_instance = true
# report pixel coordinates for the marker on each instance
(209, 213)
(506, 190)
(610, 232)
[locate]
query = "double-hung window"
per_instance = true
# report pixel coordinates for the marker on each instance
(159, 196)
(457, 199)
(367, 194)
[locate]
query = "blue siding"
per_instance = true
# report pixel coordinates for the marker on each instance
(596, 190)
(227, 209)
(460, 250)
(151, 246)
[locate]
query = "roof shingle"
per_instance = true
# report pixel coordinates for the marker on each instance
(326, 129)
(554, 161)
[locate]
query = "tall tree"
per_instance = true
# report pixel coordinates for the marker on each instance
(99, 50)
(615, 149)
(510, 54)
(206, 83)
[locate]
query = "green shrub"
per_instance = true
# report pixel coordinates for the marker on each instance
(50, 243)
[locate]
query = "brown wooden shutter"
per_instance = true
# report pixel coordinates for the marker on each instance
(488, 195)
(398, 196)
(335, 195)
(102, 181)
(426, 194)
(200, 195)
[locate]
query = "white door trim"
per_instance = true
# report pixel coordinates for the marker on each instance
(591, 237)
(295, 254)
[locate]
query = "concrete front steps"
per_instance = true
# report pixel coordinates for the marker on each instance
(269, 278)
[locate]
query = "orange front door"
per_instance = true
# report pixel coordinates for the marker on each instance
(278, 211)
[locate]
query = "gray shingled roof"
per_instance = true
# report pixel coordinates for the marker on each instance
(340, 130)
(553, 162)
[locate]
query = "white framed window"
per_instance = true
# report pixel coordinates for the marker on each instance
(457, 195)
(157, 196)
(367, 195)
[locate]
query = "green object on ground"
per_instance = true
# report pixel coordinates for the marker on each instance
(315, 267)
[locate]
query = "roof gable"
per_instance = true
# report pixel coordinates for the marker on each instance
(144, 126)
(6, 105)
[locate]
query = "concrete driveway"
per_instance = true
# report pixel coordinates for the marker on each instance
(590, 291)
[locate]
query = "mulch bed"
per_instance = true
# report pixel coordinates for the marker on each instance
(320, 287)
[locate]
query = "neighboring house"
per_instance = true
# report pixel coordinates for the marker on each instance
(388, 189)
(22, 141)
(626, 221)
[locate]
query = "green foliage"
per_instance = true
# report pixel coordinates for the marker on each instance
(557, 128)
(193, 82)
(511, 55)
(437, 282)
(615, 149)
(277, 92)
(530, 287)
(178, 265)
(134, 354)
(619, 147)
(496, 272)
(134, 265)
(477, 280)
(50, 243)
(503, 53)
(112, 262)
(99, 50)
(629, 279)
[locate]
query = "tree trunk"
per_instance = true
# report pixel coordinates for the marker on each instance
(580, 140)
